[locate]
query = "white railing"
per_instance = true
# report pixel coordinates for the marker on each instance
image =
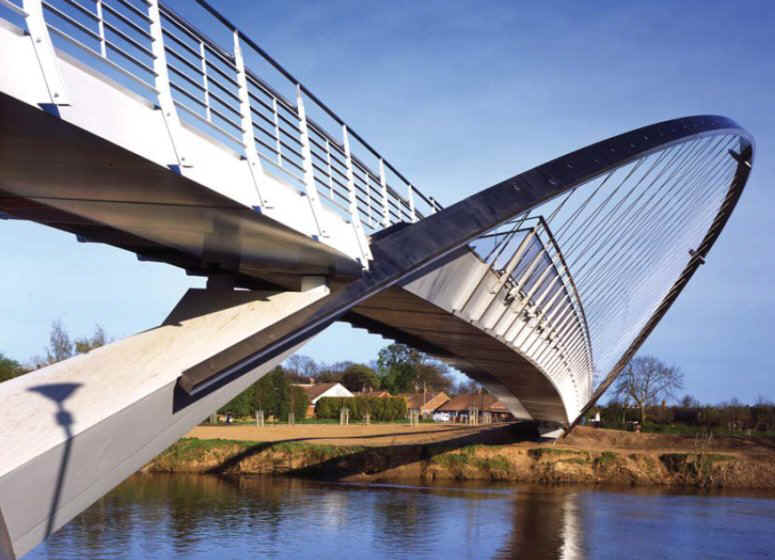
(217, 90)
(538, 287)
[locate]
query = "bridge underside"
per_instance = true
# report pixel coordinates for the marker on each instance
(62, 176)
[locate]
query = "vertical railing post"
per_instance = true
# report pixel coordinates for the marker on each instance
(44, 50)
(368, 197)
(248, 139)
(164, 93)
(383, 187)
(205, 83)
(412, 211)
(278, 143)
(330, 170)
(309, 172)
(101, 29)
(354, 217)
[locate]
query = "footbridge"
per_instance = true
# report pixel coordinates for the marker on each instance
(124, 124)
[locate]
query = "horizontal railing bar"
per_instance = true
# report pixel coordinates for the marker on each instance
(199, 117)
(225, 76)
(260, 101)
(267, 132)
(270, 91)
(127, 21)
(129, 57)
(186, 77)
(128, 39)
(190, 29)
(133, 9)
(267, 146)
(13, 7)
(226, 58)
(293, 163)
(74, 22)
(194, 68)
(265, 119)
(223, 116)
(182, 43)
(94, 53)
(292, 150)
(289, 123)
(280, 168)
(220, 100)
(83, 9)
(188, 94)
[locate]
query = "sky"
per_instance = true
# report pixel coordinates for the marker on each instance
(459, 96)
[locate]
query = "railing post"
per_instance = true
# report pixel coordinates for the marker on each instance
(101, 29)
(44, 50)
(412, 211)
(248, 140)
(309, 173)
(205, 82)
(278, 143)
(383, 185)
(164, 93)
(354, 217)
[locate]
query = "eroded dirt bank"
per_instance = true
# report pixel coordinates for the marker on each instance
(504, 453)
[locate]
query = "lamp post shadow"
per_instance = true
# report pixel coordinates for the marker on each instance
(59, 393)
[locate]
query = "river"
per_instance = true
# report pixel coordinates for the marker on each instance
(197, 517)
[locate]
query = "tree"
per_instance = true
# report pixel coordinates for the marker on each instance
(403, 369)
(645, 381)
(9, 368)
(85, 344)
(332, 373)
(300, 369)
(398, 367)
(60, 347)
(276, 396)
(434, 376)
(359, 377)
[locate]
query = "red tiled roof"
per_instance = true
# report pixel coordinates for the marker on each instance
(428, 400)
(485, 403)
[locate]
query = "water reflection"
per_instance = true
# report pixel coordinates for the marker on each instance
(179, 516)
(547, 524)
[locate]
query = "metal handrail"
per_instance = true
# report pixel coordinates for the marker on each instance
(214, 90)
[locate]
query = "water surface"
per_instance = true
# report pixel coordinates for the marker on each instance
(181, 516)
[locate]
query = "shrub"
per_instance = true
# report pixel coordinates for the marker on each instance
(381, 410)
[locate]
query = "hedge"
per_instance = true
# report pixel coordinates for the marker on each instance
(381, 409)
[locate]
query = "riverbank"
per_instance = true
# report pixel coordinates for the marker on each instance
(505, 453)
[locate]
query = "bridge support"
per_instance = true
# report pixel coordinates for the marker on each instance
(74, 430)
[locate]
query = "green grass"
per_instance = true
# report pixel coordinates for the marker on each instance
(188, 449)
(606, 458)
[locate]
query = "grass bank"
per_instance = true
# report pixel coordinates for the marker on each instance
(653, 463)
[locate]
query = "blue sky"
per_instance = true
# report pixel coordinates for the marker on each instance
(460, 95)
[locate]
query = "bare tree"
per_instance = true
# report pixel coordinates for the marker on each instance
(60, 347)
(301, 367)
(645, 381)
(86, 344)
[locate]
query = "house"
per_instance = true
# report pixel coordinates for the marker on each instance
(374, 394)
(316, 391)
(458, 408)
(424, 403)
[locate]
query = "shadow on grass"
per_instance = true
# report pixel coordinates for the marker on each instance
(374, 460)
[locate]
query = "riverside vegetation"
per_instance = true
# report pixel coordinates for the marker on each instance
(587, 456)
